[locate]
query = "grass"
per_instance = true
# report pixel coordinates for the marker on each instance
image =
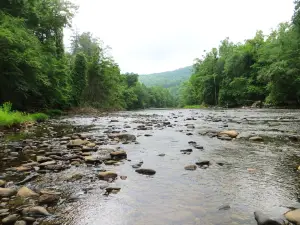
(195, 107)
(9, 118)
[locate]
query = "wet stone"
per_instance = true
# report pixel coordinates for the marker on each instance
(10, 219)
(20, 222)
(190, 167)
(145, 171)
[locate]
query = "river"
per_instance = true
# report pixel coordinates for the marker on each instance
(243, 174)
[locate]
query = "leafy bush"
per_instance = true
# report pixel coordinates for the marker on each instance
(54, 112)
(39, 117)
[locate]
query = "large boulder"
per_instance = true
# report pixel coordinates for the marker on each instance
(7, 192)
(25, 192)
(263, 219)
(293, 216)
(230, 133)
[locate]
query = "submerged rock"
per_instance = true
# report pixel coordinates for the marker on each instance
(146, 171)
(20, 222)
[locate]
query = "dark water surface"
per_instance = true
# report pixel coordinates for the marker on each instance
(255, 175)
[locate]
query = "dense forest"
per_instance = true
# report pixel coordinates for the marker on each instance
(36, 71)
(265, 68)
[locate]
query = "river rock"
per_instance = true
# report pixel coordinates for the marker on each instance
(113, 190)
(22, 168)
(203, 163)
(118, 155)
(224, 207)
(20, 222)
(108, 175)
(10, 219)
(123, 136)
(75, 177)
(53, 162)
(256, 138)
(41, 159)
(186, 150)
(145, 171)
(92, 159)
(7, 192)
(28, 219)
(25, 192)
(77, 143)
(190, 126)
(293, 216)
(110, 162)
(190, 167)
(230, 133)
(224, 137)
(162, 154)
(35, 211)
(263, 219)
(48, 198)
(2, 183)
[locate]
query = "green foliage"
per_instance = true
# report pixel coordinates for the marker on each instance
(264, 68)
(195, 107)
(79, 77)
(54, 112)
(39, 117)
(9, 118)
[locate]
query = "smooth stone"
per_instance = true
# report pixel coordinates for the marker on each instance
(224, 137)
(36, 211)
(145, 171)
(41, 159)
(118, 155)
(75, 177)
(256, 138)
(190, 167)
(123, 177)
(28, 219)
(25, 192)
(48, 163)
(293, 216)
(2, 183)
(92, 159)
(263, 219)
(20, 222)
(4, 199)
(4, 210)
(162, 154)
(224, 207)
(22, 168)
(230, 133)
(10, 219)
(7, 192)
(111, 162)
(187, 150)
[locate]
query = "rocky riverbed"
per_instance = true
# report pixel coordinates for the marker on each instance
(152, 167)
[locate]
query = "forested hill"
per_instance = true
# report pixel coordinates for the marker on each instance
(167, 79)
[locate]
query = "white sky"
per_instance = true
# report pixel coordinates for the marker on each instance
(149, 36)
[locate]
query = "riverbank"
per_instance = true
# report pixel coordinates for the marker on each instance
(85, 169)
(9, 118)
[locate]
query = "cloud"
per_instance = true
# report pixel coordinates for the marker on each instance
(157, 35)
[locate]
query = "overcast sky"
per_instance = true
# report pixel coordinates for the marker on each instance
(149, 36)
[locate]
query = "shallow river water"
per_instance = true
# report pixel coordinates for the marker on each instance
(246, 175)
